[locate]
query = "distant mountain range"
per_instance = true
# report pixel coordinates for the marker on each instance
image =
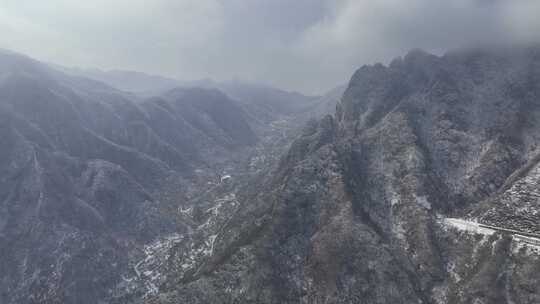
(418, 182)
(81, 166)
(270, 99)
(423, 187)
(91, 166)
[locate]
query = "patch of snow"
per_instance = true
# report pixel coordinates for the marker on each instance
(493, 245)
(147, 270)
(210, 243)
(151, 290)
(399, 231)
(532, 245)
(451, 269)
(423, 201)
(440, 294)
(185, 211)
(469, 226)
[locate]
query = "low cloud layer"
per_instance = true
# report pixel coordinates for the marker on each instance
(305, 45)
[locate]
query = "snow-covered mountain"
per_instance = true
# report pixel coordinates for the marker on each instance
(421, 188)
(417, 183)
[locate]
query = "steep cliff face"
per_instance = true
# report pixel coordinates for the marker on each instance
(421, 188)
(381, 203)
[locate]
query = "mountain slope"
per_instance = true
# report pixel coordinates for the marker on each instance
(128, 81)
(88, 176)
(361, 208)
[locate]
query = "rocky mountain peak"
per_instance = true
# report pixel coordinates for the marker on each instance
(421, 188)
(381, 202)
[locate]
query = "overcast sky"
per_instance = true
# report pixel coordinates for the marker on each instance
(304, 45)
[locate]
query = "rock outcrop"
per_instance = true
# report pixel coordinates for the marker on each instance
(354, 212)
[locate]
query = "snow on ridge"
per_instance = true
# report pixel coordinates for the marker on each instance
(532, 244)
(469, 226)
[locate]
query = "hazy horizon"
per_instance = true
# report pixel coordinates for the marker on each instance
(305, 46)
(270, 151)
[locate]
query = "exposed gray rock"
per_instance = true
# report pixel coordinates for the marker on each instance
(353, 212)
(109, 198)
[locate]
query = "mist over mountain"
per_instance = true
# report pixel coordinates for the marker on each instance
(266, 101)
(201, 196)
(91, 173)
(269, 152)
(82, 168)
(421, 188)
(129, 81)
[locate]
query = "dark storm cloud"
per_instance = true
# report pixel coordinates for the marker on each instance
(308, 45)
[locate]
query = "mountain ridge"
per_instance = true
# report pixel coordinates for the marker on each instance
(87, 176)
(355, 211)
(193, 196)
